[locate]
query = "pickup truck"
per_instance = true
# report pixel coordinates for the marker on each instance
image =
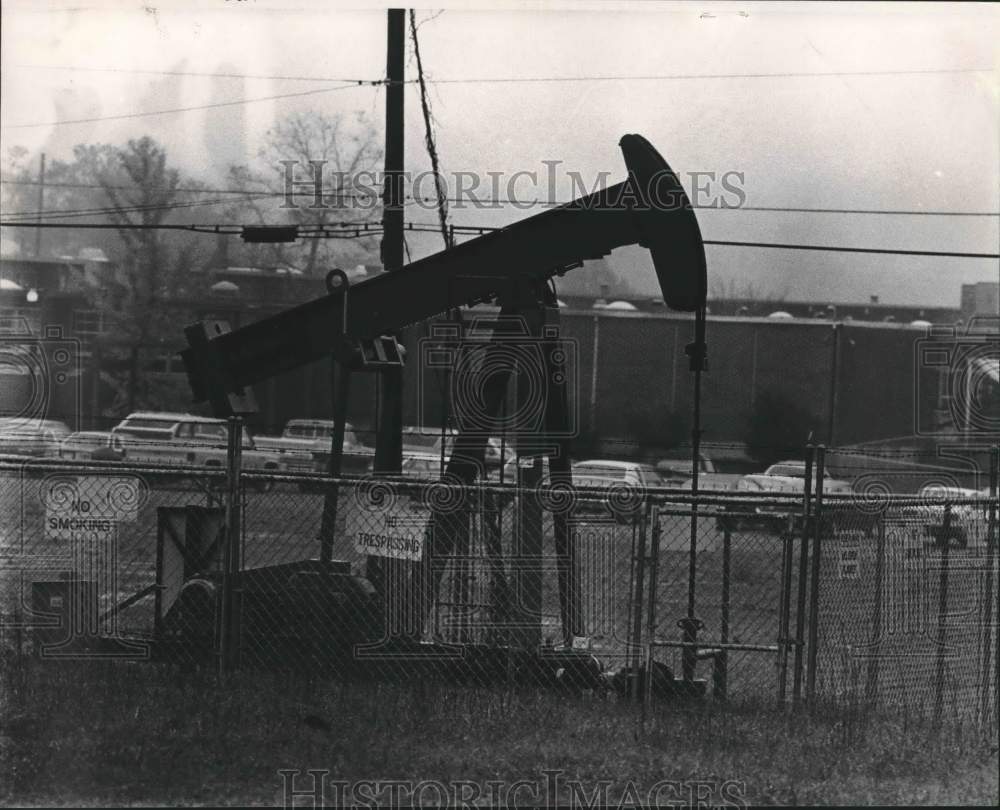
(184, 439)
(305, 444)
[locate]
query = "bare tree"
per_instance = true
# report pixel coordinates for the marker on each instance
(342, 153)
(143, 191)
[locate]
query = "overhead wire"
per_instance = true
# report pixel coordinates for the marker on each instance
(335, 230)
(147, 113)
(497, 201)
(515, 79)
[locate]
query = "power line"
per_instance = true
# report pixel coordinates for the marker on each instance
(881, 251)
(525, 79)
(875, 211)
(344, 230)
(425, 106)
(509, 201)
(151, 188)
(205, 74)
(332, 229)
(776, 208)
(81, 212)
(148, 113)
(700, 76)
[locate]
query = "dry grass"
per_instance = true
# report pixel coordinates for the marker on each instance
(111, 733)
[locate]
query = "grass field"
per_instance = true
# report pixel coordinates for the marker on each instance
(89, 734)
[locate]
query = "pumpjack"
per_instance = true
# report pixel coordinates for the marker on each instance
(514, 267)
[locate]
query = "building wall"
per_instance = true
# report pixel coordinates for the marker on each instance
(982, 298)
(853, 382)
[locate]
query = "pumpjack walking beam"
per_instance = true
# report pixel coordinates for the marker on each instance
(650, 208)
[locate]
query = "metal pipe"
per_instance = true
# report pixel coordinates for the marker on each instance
(817, 557)
(227, 627)
(942, 629)
(593, 378)
(993, 540)
(720, 672)
(640, 576)
(784, 621)
(691, 624)
(800, 605)
(654, 561)
(769, 648)
(872, 674)
(834, 378)
(340, 376)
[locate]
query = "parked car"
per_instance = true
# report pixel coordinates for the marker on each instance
(92, 445)
(678, 466)
(31, 437)
(629, 480)
(305, 447)
(675, 470)
(428, 465)
(425, 466)
(789, 476)
(967, 523)
(184, 439)
(492, 455)
(783, 479)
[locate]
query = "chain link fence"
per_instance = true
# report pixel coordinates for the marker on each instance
(877, 602)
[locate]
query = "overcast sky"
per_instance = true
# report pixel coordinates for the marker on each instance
(913, 141)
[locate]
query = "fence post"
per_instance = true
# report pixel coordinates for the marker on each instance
(992, 543)
(942, 613)
(986, 618)
(654, 567)
(784, 619)
(720, 671)
(872, 671)
(340, 382)
(800, 604)
(817, 557)
(228, 631)
(640, 572)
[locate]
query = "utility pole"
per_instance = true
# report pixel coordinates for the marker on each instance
(41, 206)
(386, 575)
(392, 212)
(389, 449)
